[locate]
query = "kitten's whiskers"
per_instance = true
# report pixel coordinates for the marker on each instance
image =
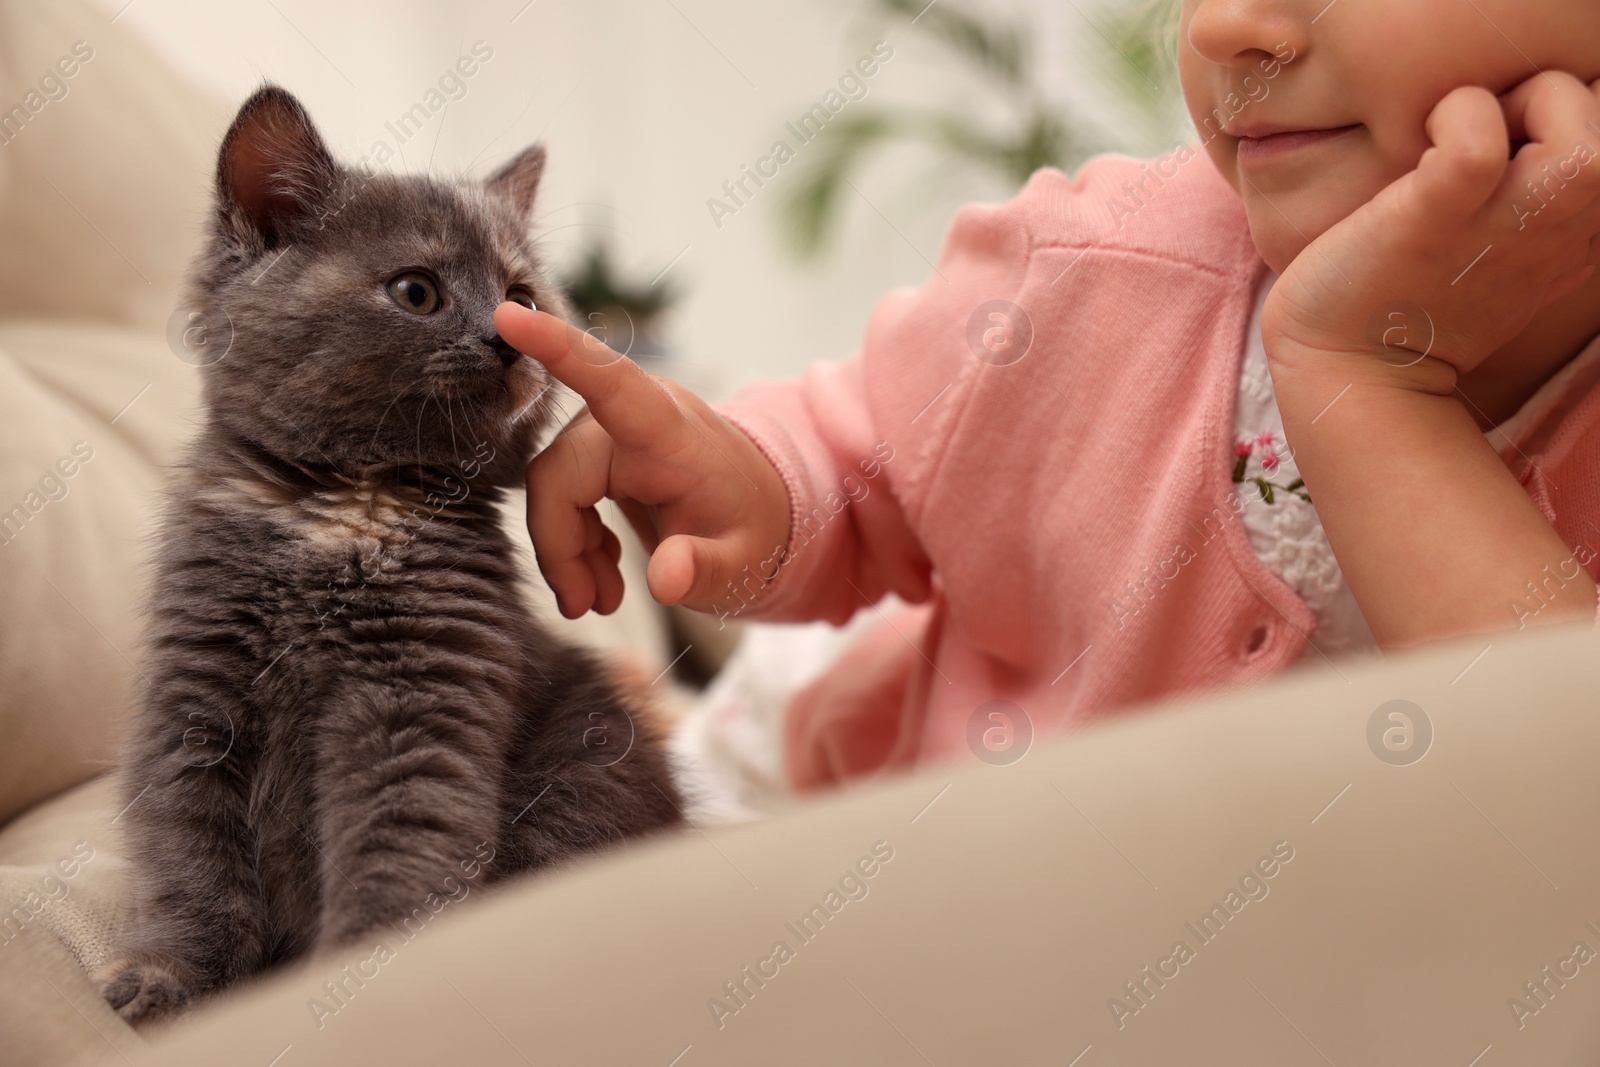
(376, 429)
(450, 417)
(532, 403)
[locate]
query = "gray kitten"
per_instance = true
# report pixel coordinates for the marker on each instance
(349, 710)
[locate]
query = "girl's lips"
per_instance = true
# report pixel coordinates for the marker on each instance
(1278, 144)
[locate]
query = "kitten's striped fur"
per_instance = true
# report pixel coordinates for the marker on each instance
(347, 701)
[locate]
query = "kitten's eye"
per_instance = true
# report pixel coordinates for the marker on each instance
(519, 295)
(415, 293)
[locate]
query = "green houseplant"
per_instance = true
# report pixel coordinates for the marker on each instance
(997, 59)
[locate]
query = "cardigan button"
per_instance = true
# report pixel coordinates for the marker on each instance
(1257, 639)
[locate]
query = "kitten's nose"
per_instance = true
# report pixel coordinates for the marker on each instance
(508, 355)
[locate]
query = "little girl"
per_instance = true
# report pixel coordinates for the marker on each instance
(1320, 384)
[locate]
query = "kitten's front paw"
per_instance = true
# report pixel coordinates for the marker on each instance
(142, 991)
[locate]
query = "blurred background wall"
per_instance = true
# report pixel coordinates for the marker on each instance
(649, 106)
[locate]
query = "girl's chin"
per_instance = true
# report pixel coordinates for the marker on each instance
(1281, 232)
(1278, 250)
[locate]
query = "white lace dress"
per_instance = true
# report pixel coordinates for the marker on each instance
(1285, 530)
(1282, 524)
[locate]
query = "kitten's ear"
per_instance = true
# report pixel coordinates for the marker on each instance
(274, 170)
(518, 180)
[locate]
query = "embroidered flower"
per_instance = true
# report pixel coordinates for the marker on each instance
(1270, 462)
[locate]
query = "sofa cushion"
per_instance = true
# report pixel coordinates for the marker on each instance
(60, 885)
(88, 415)
(105, 157)
(103, 171)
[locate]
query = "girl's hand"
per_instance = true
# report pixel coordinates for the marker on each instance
(701, 496)
(1432, 530)
(1462, 243)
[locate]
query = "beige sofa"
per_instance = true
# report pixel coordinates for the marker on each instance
(1383, 909)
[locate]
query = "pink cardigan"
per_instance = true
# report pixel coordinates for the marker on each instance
(1061, 509)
